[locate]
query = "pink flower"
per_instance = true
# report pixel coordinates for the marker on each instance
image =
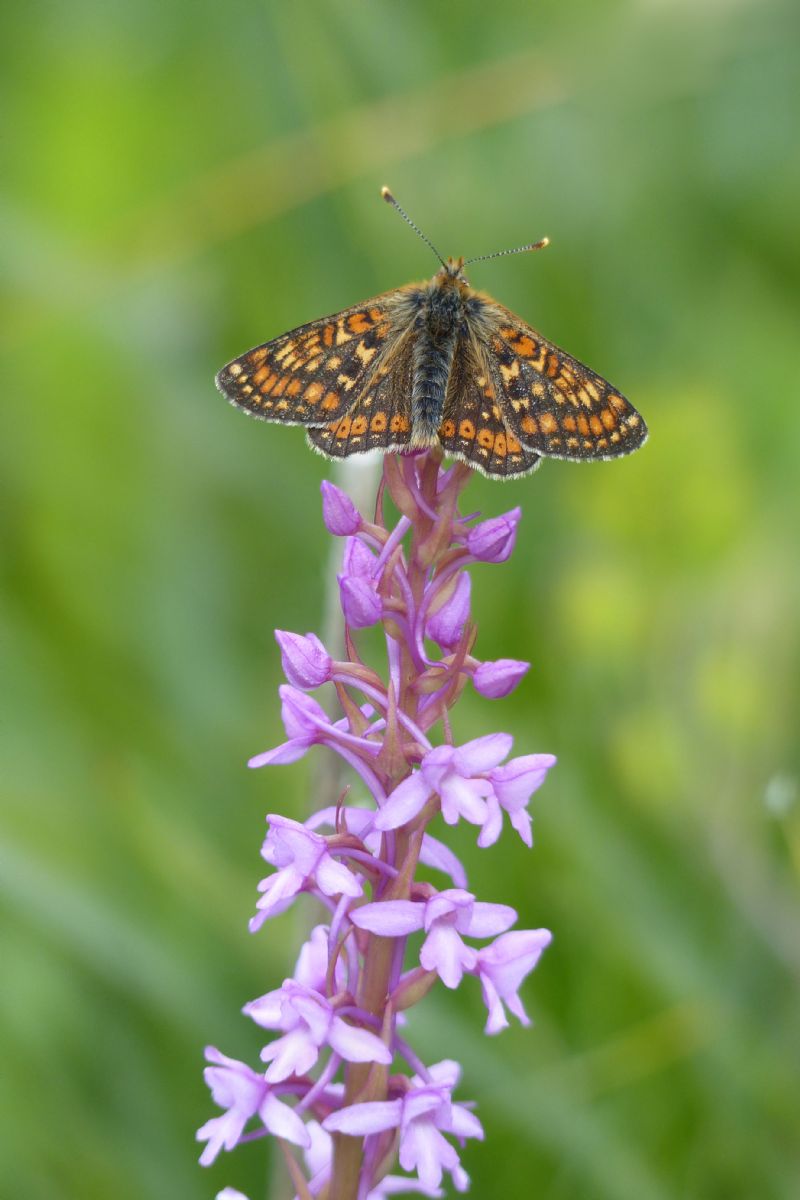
(361, 603)
(244, 1094)
(494, 680)
(501, 969)
(340, 515)
(306, 662)
(423, 1114)
(444, 917)
(303, 862)
(456, 774)
(319, 1158)
(446, 623)
(358, 590)
(362, 822)
(308, 1022)
(305, 723)
(512, 787)
(347, 1000)
(493, 540)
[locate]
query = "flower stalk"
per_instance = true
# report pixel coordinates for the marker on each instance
(334, 1084)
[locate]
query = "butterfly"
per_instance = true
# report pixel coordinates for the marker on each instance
(435, 364)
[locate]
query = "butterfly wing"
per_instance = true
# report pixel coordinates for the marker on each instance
(473, 429)
(380, 417)
(552, 403)
(314, 373)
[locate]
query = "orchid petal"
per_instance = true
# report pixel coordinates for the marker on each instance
(404, 803)
(389, 918)
(334, 878)
(357, 1045)
(283, 1121)
(373, 1116)
(482, 753)
(486, 920)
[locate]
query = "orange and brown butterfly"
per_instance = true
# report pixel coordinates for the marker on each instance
(430, 364)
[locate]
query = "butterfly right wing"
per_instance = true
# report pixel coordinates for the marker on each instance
(314, 373)
(473, 429)
(554, 404)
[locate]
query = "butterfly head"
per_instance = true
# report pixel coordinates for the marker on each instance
(451, 273)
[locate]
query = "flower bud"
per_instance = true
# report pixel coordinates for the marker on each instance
(306, 662)
(497, 679)
(447, 623)
(301, 714)
(493, 540)
(339, 513)
(358, 559)
(361, 603)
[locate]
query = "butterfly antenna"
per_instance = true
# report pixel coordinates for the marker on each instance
(389, 198)
(540, 245)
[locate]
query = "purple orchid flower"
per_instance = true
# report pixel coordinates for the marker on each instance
(423, 1114)
(319, 1160)
(501, 969)
(306, 662)
(303, 860)
(244, 1094)
(444, 917)
(308, 1022)
(494, 680)
(339, 1019)
(340, 515)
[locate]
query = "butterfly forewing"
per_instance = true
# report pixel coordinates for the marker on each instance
(315, 373)
(551, 402)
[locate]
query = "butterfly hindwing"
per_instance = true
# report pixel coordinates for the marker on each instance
(314, 373)
(472, 426)
(554, 404)
(380, 418)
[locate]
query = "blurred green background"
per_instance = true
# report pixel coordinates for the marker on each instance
(184, 181)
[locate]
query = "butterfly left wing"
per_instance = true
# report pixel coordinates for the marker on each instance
(380, 418)
(314, 373)
(552, 403)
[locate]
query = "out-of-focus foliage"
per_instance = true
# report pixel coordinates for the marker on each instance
(184, 181)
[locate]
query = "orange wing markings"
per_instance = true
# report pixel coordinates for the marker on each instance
(380, 416)
(314, 373)
(554, 404)
(473, 429)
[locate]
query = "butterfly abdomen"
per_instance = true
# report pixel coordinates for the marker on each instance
(434, 348)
